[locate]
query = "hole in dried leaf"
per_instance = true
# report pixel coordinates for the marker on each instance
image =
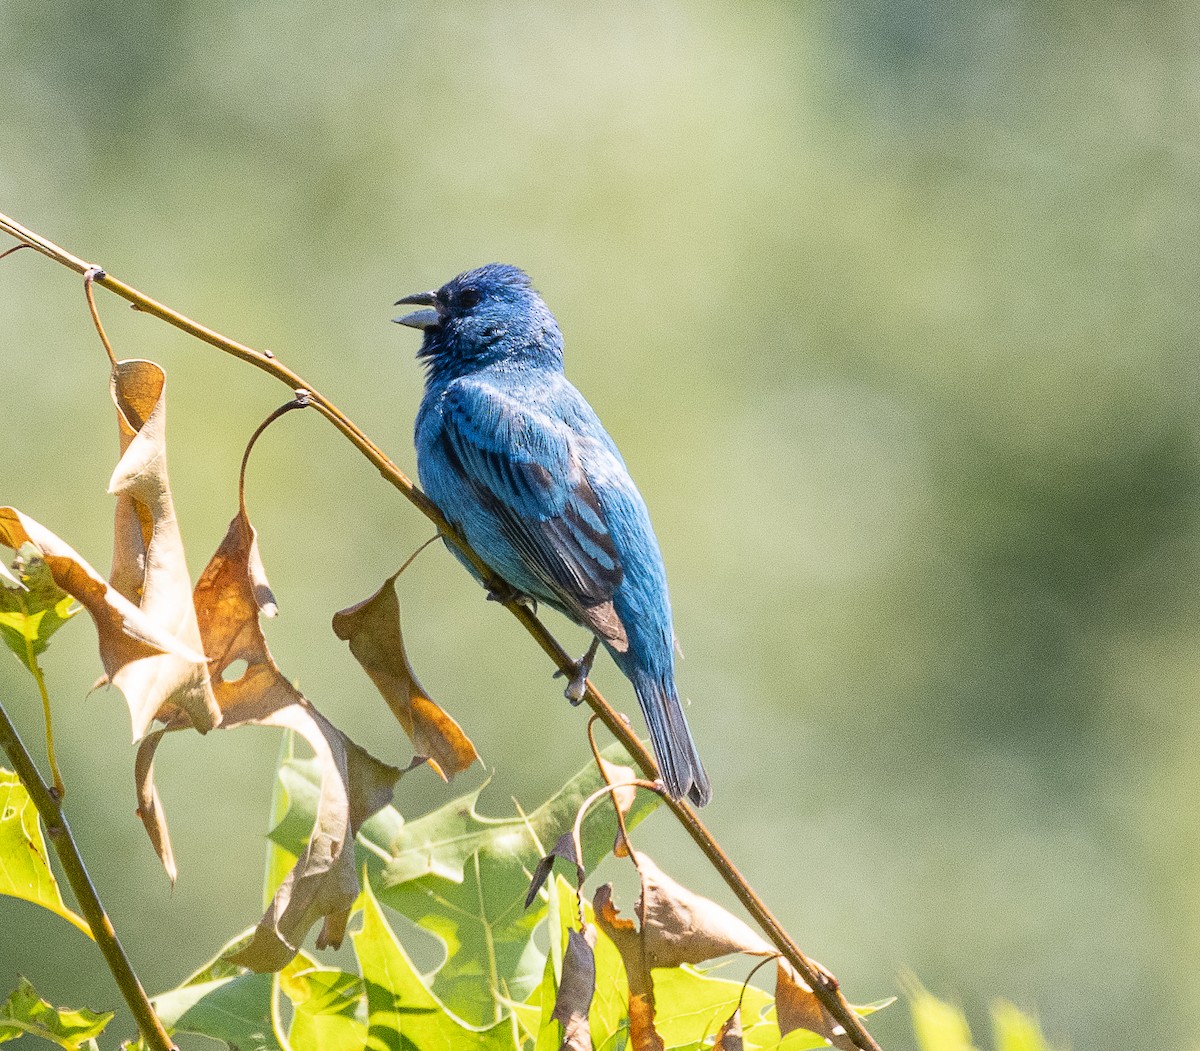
(234, 671)
(9, 814)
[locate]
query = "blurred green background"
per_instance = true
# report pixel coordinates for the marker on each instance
(890, 306)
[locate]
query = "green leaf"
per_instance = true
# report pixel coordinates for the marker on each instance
(463, 877)
(223, 1002)
(403, 1014)
(32, 609)
(562, 914)
(24, 869)
(1016, 1031)
(691, 1005)
(234, 1010)
(534, 1015)
(280, 860)
(939, 1026)
(528, 1014)
(328, 1007)
(536, 1020)
(609, 1014)
(26, 1012)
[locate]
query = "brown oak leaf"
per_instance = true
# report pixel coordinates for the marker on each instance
(729, 1036)
(372, 628)
(126, 635)
(149, 567)
(796, 1007)
(576, 989)
(323, 884)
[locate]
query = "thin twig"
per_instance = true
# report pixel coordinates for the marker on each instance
(753, 971)
(413, 557)
(608, 790)
(300, 401)
(824, 986)
(89, 279)
(35, 669)
(622, 829)
(50, 809)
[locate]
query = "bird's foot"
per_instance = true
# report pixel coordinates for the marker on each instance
(577, 687)
(506, 593)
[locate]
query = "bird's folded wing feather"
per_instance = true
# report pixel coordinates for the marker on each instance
(525, 468)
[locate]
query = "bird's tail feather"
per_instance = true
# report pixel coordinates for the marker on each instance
(678, 761)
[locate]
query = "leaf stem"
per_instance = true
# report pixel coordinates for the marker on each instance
(622, 830)
(823, 984)
(49, 807)
(36, 669)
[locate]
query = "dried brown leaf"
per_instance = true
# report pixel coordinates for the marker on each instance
(642, 1034)
(126, 635)
(729, 1036)
(628, 940)
(228, 597)
(576, 989)
(617, 774)
(565, 849)
(149, 567)
(797, 1007)
(678, 926)
(150, 809)
(681, 926)
(623, 798)
(372, 628)
(354, 785)
(323, 884)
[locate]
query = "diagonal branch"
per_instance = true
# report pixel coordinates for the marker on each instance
(823, 984)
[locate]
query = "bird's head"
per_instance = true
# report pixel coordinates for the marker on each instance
(487, 315)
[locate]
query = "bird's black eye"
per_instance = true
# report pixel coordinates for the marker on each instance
(468, 298)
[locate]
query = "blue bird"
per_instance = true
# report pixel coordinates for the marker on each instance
(516, 459)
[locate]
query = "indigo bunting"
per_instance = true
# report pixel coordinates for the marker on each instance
(516, 459)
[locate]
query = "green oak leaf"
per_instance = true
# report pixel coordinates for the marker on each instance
(24, 1012)
(1015, 1030)
(236, 1007)
(609, 1014)
(234, 1010)
(939, 1026)
(32, 606)
(463, 877)
(403, 1014)
(280, 860)
(329, 1008)
(223, 1002)
(24, 868)
(546, 1031)
(608, 1017)
(691, 1005)
(529, 1013)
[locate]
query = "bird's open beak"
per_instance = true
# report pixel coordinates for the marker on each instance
(421, 319)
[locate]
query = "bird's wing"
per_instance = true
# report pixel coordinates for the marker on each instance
(524, 467)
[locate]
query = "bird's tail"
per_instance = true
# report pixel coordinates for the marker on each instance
(678, 761)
